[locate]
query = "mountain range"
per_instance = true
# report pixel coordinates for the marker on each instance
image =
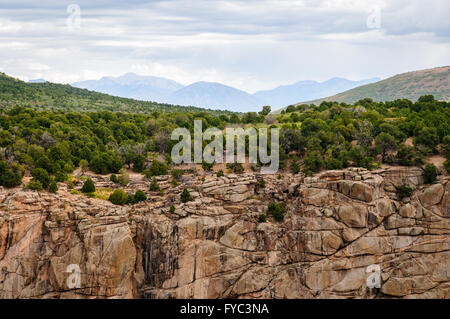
(215, 95)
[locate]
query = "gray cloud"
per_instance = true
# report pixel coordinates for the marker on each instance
(252, 45)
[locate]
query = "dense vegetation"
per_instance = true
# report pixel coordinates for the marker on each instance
(336, 136)
(14, 92)
(49, 145)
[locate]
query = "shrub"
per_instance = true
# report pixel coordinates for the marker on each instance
(207, 166)
(84, 165)
(335, 163)
(60, 176)
(261, 183)
(118, 197)
(404, 191)
(9, 177)
(447, 165)
(313, 161)
(172, 209)
(154, 186)
(295, 168)
(34, 185)
(53, 187)
(138, 163)
(123, 178)
(185, 196)
(156, 168)
(236, 167)
(41, 175)
(113, 178)
(219, 173)
(406, 155)
(277, 210)
(68, 168)
(262, 218)
(88, 186)
(139, 196)
(429, 174)
(177, 173)
(174, 183)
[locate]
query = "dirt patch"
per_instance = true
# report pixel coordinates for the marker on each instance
(437, 160)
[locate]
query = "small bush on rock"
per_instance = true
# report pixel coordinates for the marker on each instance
(118, 197)
(88, 186)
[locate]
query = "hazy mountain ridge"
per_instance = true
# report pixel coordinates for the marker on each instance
(215, 95)
(130, 85)
(307, 90)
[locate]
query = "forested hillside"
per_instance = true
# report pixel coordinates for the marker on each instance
(14, 92)
(51, 144)
(410, 85)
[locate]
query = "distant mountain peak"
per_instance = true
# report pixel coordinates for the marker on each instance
(307, 90)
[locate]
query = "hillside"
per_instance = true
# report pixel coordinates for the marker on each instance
(14, 92)
(410, 85)
(307, 90)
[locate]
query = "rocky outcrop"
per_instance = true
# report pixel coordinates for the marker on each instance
(340, 226)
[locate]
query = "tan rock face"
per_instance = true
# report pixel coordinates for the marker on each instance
(340, 228)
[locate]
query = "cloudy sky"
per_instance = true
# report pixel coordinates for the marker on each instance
(250, 44)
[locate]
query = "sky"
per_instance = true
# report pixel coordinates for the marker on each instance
(251, 45)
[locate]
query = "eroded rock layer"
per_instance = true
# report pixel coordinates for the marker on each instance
(339, 225)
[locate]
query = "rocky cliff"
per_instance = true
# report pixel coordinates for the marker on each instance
(339, 226)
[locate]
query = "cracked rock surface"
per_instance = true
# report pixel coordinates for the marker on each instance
(337, 224)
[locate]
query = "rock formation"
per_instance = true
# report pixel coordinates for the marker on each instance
(339, 226)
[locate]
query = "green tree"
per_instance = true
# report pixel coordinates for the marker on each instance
(53, 187)
(262, 218)
(277, 210)
(154, 186)
(138, 163)
(207, 166)
(88, 186)
(34, 185)
(429, 174)
(124, 177)
(185, 196)
(113, 178)
(265, 110)
(118, 197)
(404, 191)
(41, 175)
(9, 177)
(386, 143)
(428, 139)
(139, 196)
